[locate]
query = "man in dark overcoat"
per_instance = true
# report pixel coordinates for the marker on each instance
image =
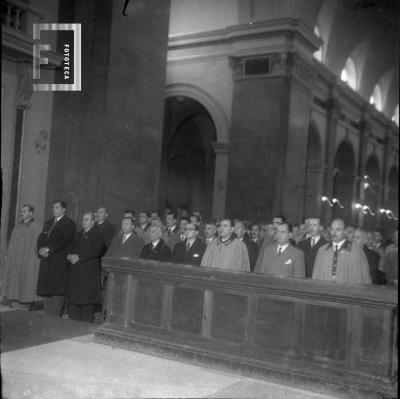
(52, 244)
(84, 274)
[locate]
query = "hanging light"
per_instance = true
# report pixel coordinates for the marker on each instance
(336, 201)
(326, 199)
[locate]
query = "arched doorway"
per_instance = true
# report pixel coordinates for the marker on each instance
(188, 158)
(343, 183)
(314, 173)
(371, 193)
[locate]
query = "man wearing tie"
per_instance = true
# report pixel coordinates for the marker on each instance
(340, 261)
(156, 249)
(311, 244)
(52, 244)
(127, 245)
(172, 233)
(281, 259)
(191, 250)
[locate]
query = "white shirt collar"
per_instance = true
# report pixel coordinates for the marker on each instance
(126, 236)
(315, 238)
(283, 247)
(58, 219)
(155, 243)
(338, 245)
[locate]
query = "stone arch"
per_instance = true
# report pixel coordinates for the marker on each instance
(221, 151)
(210, 104)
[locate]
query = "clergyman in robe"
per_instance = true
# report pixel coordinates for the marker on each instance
(340, 260)
(22, 262)
(227, 252)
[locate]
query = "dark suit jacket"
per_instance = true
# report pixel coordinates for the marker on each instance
(191, 257)
(252, 249)
(290, 263)
(53, 271)
(373, 258)
(108, 230)
(171, 239)
(310, 254)
(84, 277)
(161, 252)
(129, 249)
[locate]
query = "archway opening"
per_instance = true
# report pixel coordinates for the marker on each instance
(343, 183)
(188, 158)
(313, 173)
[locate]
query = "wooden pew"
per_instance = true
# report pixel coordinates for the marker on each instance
(321, 336)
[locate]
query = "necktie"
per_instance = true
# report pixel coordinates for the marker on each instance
(335, 260)
(279, 250)
(124, 238)
(51, 228)
(312, 242)
(187, 246)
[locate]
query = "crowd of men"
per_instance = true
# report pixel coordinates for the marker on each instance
(59, 266)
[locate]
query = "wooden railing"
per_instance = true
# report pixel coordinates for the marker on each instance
(318, 335)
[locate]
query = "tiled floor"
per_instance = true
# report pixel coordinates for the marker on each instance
(77, 367)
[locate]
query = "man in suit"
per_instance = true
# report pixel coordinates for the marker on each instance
(104, 226)
(340, 260)
(281, 259)
(210, 232)
(84, 272)
(144, 226)
(130, 213)
(156, 249)
(171, 236)
(52, 245)
(350, 232)
(379, 247)
(126, 245)
(359, 241)
(252, 248)
(255, 234)
(183, 222)
(191, 250)
(312, 244)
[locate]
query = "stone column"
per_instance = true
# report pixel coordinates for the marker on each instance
(220, 179)
(105, 147)
(333, 114)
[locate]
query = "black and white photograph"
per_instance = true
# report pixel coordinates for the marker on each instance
(199, 199)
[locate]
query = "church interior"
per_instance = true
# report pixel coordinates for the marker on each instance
(239, 110)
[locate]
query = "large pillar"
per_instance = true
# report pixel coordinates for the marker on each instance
(221, 171)
(333, 115)
(105, 147)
